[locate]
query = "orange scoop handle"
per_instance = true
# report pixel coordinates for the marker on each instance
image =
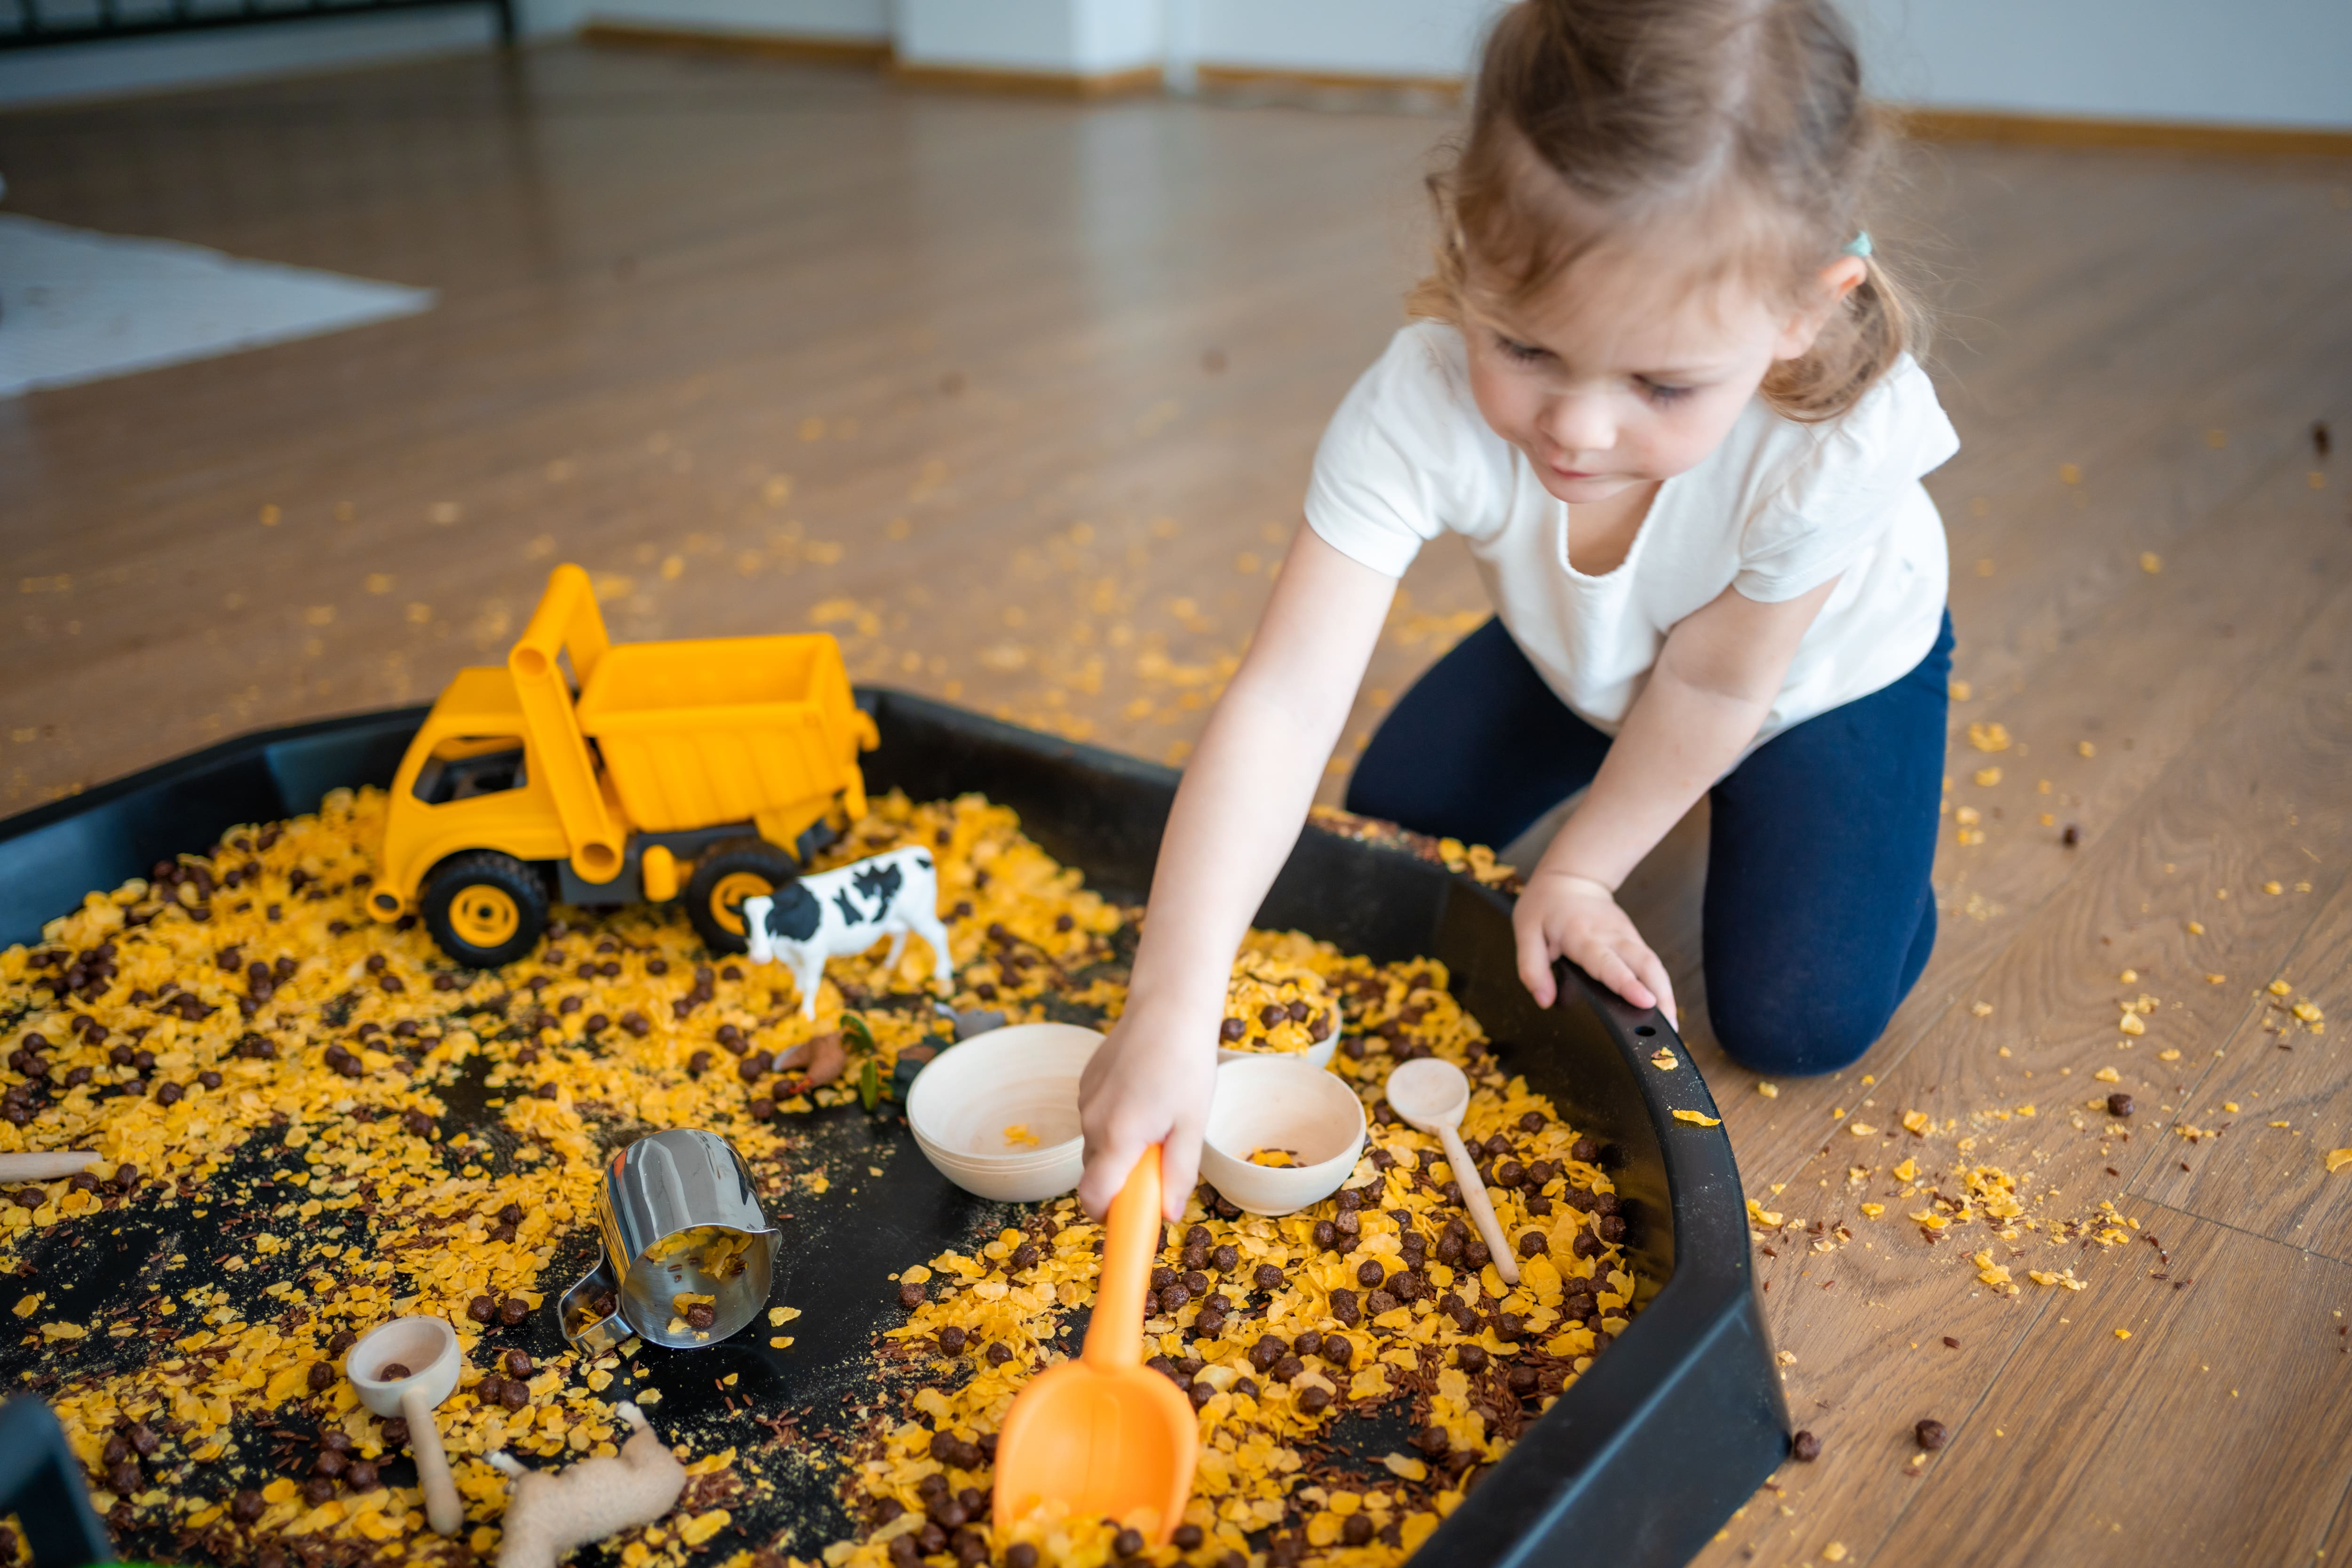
(1105, 1435)
(1131, 1241)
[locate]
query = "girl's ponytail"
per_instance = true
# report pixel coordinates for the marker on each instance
(1875, 325)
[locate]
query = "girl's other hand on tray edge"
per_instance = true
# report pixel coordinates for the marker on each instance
(1148, 1083)
(1565, 916)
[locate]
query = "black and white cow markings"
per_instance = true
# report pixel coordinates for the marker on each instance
(834, 914)
(877, 881)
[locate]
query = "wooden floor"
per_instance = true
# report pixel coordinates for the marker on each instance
(1019, 398)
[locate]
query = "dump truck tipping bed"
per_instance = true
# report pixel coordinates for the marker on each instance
(726, 730)
(722, 740)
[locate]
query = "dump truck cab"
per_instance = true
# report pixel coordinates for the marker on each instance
(714, 767)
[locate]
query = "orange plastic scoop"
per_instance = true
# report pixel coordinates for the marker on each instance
(1105, 1436)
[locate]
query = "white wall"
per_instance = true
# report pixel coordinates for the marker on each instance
(2247, 62)
(2250, 62)
(1337, 38)
(2254, 62)
(1082, 37)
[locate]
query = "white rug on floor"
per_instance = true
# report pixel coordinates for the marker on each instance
(78, 306)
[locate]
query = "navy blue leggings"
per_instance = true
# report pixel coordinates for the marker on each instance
(1819, 916)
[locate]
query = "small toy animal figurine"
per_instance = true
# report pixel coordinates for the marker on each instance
(834, 914)
(552, 1512)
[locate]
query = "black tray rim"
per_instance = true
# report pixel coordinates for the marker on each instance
(1708, 1310)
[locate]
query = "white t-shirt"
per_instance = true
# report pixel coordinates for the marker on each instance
(1778, 509)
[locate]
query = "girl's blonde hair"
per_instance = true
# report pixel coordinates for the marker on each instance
(1742, 120)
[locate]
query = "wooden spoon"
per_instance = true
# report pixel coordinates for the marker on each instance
(46, 1165)
(1432, 1095)
(423, 1358)
(1105, 1436)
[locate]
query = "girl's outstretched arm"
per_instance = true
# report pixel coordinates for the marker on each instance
(1244, 799)
(1707, 695)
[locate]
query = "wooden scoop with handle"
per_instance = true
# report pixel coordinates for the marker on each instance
(1105, 1436)
(404, 1368)
(46, 1165)
(1433, 1096)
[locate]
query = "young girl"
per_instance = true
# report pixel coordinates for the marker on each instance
(1663, 392)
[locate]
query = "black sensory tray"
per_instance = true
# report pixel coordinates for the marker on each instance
(1640, 1461)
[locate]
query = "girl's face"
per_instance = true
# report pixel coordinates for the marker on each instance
(1607, 381)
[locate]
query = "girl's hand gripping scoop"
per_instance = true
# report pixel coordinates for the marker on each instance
(1106, 1436)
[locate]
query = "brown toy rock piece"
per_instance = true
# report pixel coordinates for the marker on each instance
(550, 1513)
(819, 1060)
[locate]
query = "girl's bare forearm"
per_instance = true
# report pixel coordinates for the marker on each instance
(1709, 692)
(1239, 812)
(1675, 743)
(1246, 792)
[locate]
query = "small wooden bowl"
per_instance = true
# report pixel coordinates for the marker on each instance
(1281, 1103)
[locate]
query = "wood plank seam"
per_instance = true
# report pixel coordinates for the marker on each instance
(2111, 1414)
(2250, 480)
(2224, 712)
(2016, 1343)
(2254, 677)
(2336, 1520)
(2297, 632)
(2215, 1066)
(2157, 1151)
(2258, 1070)
(2330, 611)
(2247, 487)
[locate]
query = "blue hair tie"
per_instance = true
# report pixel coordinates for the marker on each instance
(1859, 245)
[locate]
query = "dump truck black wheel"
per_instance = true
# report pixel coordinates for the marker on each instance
(728, 872)
(484, 908)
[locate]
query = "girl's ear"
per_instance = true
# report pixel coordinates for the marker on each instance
(1830, 285)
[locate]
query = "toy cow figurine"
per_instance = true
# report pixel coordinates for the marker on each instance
(834, 914)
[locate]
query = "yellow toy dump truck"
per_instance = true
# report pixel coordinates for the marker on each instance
(716, 766)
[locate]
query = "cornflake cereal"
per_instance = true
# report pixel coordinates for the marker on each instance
(344, 1128)
(1475, 861)
(715, 1250)
(1277, 1006)
(356, 1130)
(1379, 1299)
